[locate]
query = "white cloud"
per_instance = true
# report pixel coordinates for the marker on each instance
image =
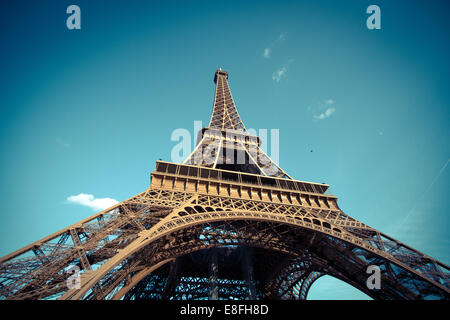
(62, 143)
(323, 110)
(267, 51)
(326, 114)
(279, 74)
(90, 201)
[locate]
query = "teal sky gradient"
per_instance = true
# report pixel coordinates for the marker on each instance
(91, 110)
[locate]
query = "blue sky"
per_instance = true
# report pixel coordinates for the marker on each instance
(89, 111)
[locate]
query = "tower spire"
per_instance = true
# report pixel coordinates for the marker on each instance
(224, 115)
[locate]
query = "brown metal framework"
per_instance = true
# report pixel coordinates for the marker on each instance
(219, 226)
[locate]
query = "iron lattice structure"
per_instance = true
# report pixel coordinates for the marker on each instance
(228, 223)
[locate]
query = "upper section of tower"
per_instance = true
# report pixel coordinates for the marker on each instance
(225, 144)
(224, 115)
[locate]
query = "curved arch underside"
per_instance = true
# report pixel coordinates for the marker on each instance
(301, 251)
(147, 247)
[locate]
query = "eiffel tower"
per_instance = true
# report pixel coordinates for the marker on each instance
(228, 223)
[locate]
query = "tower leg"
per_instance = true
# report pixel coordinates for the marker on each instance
(171, 280)
(247, 269)
(213, 269)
